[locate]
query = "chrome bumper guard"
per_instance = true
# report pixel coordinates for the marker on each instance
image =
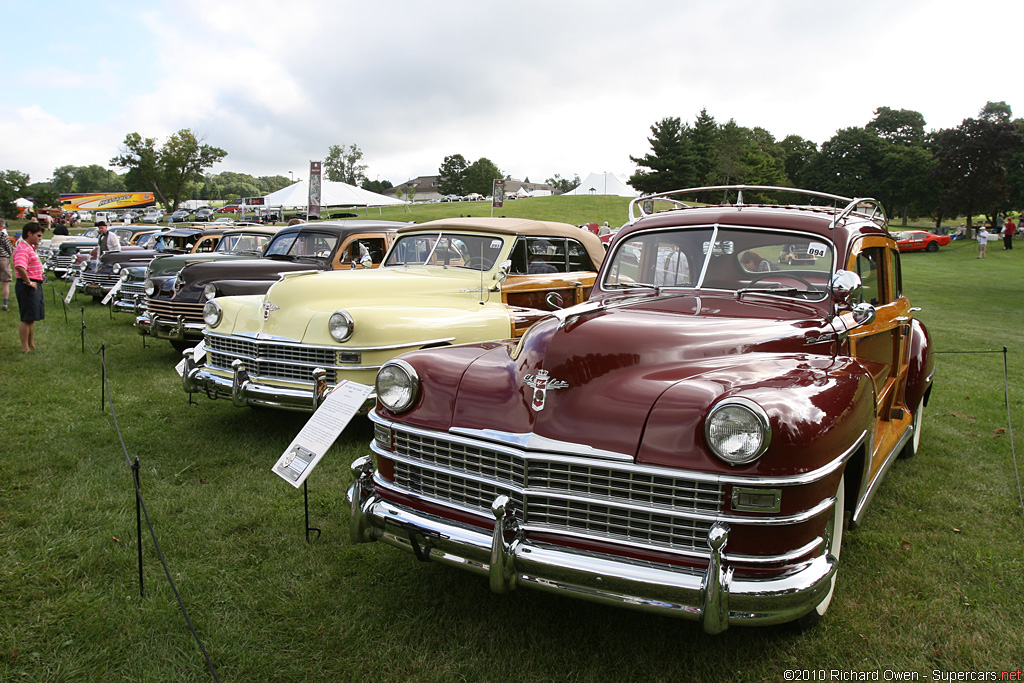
(714, 597)
(244, 391)
(135, 304)
(164, 328)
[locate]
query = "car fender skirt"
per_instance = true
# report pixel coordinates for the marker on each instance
(715, 596)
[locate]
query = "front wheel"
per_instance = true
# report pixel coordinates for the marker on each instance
(833, 546)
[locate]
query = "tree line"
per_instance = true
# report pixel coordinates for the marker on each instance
(975, 168)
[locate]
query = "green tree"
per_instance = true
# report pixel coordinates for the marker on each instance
(452, 175)
(378, 186)
(848, 164)
(411, 192)
(704, 143)
(905, 188)
(797, 154)
(563, 185)
(973, 163)
(480, 176)
(670, 160)
(901, 126)
(342, 165)
(42, 194)
(12, 186)
(173, 170)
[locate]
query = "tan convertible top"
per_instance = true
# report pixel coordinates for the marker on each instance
(517, 226)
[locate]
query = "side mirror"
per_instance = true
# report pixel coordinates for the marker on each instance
(864, 313)
(844, 284)
(503, 269)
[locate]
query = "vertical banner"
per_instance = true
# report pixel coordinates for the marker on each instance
(313, 206)
(498, 194)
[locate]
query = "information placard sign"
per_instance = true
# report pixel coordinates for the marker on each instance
(320, 432)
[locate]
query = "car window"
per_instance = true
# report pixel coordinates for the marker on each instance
(304, 244)
(870, 266)
(477, 252)
(536, 255)
(243, 243)
(765, 261)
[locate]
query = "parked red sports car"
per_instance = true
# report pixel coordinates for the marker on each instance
(917, 240)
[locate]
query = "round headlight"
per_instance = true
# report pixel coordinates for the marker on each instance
(398, 385)
(125, 275)
(212, 313)
(341, 326)
(738, 431)
(116, 268)
(210, 292)
(150, 288)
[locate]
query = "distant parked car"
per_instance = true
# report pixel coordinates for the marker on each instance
(154, 216)
(230, 208)
(920, 240)
(206, 214)
(179, 216)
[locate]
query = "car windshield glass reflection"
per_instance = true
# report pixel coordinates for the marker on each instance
(743, 261)
(303, 245)
(244, 243)
(458, 250)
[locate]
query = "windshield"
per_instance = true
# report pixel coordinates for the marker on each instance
(731, 259)
(303, 244)
(174, 243)
(460, 250)
(243, 243)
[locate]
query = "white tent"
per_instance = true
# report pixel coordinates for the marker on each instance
(605, 183)
(331, 194)
(23, 203)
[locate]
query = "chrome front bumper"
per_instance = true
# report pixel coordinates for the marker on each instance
(244, 391)
(164, 328)
(714, 597)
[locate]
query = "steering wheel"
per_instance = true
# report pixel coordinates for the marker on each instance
(477, 263)
(757, 277)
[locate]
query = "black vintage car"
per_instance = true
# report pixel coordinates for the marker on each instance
(174, 304)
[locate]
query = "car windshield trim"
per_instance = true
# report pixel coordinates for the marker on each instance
(732, 258)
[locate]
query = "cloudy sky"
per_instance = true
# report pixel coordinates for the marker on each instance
(561, 86)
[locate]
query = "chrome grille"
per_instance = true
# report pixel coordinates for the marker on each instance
(106, 281)
(168, 308)
(618, 502)
(130, 290)
(62, 262)
(270, 359)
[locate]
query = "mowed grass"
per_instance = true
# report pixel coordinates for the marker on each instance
(932, 579)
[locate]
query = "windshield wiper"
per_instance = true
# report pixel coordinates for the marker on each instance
(772, 290)
(636, 285)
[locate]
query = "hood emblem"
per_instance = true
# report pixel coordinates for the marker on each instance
(540, 383)
(267, 308)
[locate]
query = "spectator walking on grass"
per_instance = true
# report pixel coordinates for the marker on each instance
(29, 288)
(983, 239)
(1009, 230)
(6, 254)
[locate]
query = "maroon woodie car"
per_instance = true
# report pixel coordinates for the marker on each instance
(692, 441)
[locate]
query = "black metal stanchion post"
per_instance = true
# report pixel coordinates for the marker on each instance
(83, 328)
(138, 521)
(305, 497)
(103, 378)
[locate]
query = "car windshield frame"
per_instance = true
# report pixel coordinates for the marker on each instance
(302, 238)
(477, 251)
(745, 260)
(229, 241)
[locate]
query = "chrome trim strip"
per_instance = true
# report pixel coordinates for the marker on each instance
(535, 442)
(252, 336)
(739, 479)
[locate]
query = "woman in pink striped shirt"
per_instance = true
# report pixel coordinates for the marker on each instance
(29, 288)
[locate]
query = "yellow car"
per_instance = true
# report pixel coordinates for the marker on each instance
(445, 282)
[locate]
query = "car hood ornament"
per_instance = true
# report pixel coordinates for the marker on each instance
(540, 383)
(267, 308)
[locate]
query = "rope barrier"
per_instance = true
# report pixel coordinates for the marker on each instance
(140, 501)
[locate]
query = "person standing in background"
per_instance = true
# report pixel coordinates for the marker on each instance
(1009, 230)
(6, 254)
(29, 288)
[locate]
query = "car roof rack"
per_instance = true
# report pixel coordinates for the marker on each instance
(869, 208)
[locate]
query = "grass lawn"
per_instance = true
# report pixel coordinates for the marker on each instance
(932, 580)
